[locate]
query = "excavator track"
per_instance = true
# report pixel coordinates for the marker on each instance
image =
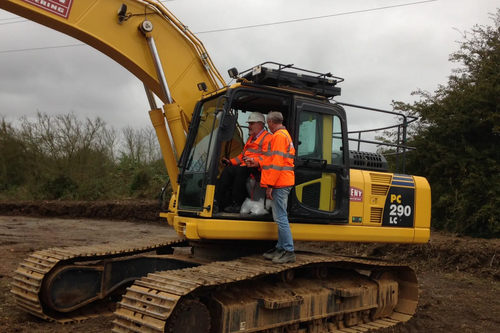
(251, 294)
(29, 278)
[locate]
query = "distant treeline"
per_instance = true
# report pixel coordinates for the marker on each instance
(62, 157)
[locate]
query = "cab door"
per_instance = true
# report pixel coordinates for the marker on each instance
(321, 191)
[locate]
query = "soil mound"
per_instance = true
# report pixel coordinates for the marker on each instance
(123, 210)
(444, 252)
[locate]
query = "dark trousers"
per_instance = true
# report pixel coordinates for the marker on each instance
(231, 185)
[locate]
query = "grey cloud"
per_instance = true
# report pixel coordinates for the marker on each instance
(383, 55)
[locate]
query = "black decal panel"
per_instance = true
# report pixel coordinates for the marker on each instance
(399, 207)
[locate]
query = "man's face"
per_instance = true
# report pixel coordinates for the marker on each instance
(254, 128)
(271, 126)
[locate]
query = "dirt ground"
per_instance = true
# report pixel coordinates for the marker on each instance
(459, 276)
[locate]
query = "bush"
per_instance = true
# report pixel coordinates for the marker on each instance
(61, 157)
(60, 187)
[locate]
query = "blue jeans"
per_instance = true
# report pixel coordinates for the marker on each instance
(280, 202)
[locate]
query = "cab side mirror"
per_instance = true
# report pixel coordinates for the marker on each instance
(227, 127)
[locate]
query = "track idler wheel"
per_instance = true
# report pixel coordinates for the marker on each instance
(319, 272)
(190, 316)
(287, 276)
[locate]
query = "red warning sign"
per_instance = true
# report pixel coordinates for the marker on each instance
(58, 7)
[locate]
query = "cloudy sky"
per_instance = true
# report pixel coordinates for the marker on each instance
(384, 54)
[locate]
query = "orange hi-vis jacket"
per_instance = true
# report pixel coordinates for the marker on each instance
(253, 149)
(277, 167)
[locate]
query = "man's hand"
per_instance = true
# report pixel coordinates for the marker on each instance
(269, 193)
(225, 162)
(250, 162)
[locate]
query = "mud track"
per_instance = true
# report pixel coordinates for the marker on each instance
(459, 276)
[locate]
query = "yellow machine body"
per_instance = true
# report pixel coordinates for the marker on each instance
(369, 198)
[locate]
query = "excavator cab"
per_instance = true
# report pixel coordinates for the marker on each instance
(319, 132)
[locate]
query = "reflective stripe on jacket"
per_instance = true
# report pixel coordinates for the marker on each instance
(277, 167)
(253, 149)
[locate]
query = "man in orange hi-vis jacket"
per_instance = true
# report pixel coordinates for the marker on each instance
(231, 188)
(278, 176)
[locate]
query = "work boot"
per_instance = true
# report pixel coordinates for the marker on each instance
(269, 255)
(284, 257)
(234, 208)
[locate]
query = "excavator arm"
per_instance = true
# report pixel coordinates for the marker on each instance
(162, 51)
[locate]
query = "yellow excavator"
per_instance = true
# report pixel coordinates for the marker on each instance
(212, 278)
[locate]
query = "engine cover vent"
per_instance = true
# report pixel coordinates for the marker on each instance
(368, 161)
